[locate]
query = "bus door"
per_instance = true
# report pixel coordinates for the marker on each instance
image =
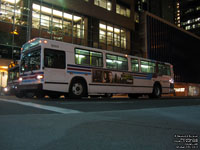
(55, 70)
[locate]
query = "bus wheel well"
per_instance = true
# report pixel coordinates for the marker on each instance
(79, 79)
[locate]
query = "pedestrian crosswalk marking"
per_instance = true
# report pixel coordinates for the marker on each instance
(45, 107)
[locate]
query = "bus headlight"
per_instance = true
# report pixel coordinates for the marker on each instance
(171, 81)
(6, 89)
(40, 77)
(20, 79)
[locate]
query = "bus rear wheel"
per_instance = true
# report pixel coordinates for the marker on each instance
(156, 91)
(77, 89)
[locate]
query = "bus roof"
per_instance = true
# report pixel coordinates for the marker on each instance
(38, 41)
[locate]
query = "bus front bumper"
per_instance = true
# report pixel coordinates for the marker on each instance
(29, 87)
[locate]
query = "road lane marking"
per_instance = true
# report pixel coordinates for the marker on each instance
(39, 106)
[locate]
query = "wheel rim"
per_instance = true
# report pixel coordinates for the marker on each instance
(157, 91)
(77, 89)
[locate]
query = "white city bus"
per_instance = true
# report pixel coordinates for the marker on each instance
(55, 68)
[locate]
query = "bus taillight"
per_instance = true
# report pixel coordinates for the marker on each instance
(171, 81)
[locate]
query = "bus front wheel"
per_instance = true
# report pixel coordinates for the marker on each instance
(77, 89)
(19, 94)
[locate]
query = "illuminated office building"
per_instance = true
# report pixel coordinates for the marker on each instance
(161, 8)
(164, 41)
(104, 24)
(188, 15)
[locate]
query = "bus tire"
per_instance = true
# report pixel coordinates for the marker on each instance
(39, 94)
(19, 94)
(29, 94)
(156, 91)
(78, 89)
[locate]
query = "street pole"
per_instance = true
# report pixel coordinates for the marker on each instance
(0, 8)
(1, 83)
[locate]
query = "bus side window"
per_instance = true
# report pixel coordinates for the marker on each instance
(122, 63)
(116, 62)
(96, 59)
(54, 59)
(89, 58)
(168, 70)
(134, 65)
(111, 61)
(82, 57)
(147, 67)
(160, 69)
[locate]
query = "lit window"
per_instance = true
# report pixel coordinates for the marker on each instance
(104, 4)
(12, 11)
(36, 7)
(113, 36)
(67, 16)
(123, 10)
(58, 23)
(57, 13)
(76, 18)
(109, 6)
(46, 10)
(11, 1)
(35, 20)
(187, 28)
(179, 89)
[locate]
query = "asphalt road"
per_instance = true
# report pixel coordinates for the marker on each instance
(99, 124)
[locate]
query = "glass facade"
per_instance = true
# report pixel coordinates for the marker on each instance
(111, 37)
(167, 43)
(14, 23)
(56, 24)
(122, 10)
(188, 15)
(104, 4)
(21, 20)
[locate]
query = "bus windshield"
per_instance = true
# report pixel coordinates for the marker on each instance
(31, 44)
(31, 60)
